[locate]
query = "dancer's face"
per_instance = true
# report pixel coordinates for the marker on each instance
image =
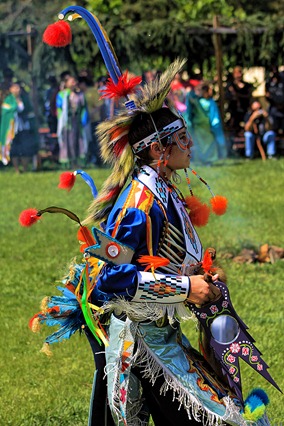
(179, 150)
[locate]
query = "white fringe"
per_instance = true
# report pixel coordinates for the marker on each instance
(133, 407)
(143, 311)
(184, 396)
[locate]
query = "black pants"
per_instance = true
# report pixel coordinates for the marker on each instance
(99, 413)
(164, 411)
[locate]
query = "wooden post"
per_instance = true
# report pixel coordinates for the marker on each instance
(34, 93)
(29, 47)
(219, 65)
(30, 68)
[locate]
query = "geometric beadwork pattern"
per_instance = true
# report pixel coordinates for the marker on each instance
(167, 287)
(154, 137)
(161, 189)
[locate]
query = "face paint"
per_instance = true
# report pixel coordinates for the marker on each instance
(182, 139)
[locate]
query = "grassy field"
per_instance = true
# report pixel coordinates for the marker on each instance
(40, 391)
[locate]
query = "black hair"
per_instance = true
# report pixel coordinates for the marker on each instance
(64, 74)
(142, 126)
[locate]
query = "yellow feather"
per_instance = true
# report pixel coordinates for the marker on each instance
(44, 304)
(46, 350)
(35, 325)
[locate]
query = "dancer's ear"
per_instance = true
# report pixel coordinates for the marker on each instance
(155, 150)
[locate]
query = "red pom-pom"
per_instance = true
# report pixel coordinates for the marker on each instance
(29, 217)
(67, 180)
(199, 212)
(58, 34)
(125, 86)
(219, 204)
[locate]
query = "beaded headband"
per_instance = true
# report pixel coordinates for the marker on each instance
(156, 136)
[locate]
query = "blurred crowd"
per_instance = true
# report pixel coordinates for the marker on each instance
(257, 120)
(73, 107)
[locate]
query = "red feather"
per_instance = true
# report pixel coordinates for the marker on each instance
(112, 193)
(67, 180)
(198, 212)
(58, 34)
(120, 145)
(219, 204)
(84, 235)
(125, 86)
(29, 217)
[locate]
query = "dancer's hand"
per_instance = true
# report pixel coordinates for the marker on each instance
(202, 292)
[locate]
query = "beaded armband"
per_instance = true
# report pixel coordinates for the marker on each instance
(161, 288)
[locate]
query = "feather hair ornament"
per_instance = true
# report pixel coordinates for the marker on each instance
(100, 35)
(58, 34)
(125, 86)
(30, 216)
(113, 139)
(113, 134)
(67, 181)
(153, 94)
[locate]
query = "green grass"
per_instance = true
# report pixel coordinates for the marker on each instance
(40, 391)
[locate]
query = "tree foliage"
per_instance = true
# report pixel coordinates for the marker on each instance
(150, 32)
(145, 34)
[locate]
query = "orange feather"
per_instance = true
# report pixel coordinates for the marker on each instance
(84, 235)
(207, 262)
(153, 261)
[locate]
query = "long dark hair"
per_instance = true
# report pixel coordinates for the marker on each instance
(141, 127)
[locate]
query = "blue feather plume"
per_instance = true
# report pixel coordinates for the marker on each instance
(102, 39)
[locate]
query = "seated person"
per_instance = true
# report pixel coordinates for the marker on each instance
(258, 124)
(275, 96)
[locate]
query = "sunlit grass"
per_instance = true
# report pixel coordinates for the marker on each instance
(40, 391)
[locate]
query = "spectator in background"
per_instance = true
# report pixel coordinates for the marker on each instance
(274, 89)
(177, 93)
(205, 126)
(148, 76)
(63, 77)
(178, 100)
(95, 108)
(18, 130)
(194, 80)
(9, 109)
(177, 83)
(50, 104)
(72, 121)
(258, 124)
(238, 94)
